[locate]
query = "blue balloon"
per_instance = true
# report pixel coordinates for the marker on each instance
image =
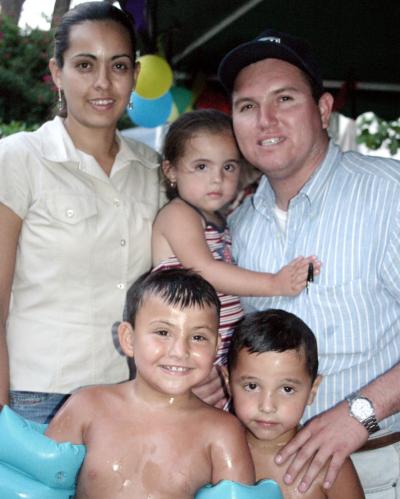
(226, 489)
(32, 465)
(150, 113)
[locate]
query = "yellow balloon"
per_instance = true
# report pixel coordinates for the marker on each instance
(155, 77)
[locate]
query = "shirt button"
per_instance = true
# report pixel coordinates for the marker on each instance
(116, 203)
(69, 212)
(123, 242)
(121, 285)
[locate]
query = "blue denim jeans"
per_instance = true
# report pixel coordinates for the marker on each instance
(36, 406)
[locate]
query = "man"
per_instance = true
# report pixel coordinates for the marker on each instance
(344, 208)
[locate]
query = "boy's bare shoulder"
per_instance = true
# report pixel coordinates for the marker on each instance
(347, 483)
(91, 397)
(219, 421)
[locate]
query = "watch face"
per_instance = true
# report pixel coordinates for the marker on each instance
(361, 408)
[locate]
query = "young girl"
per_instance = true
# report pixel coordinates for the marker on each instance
(202, 165)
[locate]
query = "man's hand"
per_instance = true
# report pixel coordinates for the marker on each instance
(212, 390)
(332, 436)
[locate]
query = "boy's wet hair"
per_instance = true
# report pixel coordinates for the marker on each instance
(274, 330)
(177, 287)
(187, 125)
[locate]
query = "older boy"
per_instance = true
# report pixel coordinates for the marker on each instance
(273, 362)
(151, 437)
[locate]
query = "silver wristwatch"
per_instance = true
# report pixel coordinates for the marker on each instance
(362, 409)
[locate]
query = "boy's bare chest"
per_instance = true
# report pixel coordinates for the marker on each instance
(144, 462)
(266, 468)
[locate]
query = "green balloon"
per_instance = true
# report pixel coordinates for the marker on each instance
(182, 98)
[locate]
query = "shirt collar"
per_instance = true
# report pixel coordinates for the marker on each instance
(57, 146)
(132, 150)
(55, 143)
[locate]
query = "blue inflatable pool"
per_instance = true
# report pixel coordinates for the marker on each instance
(226, 489)
(32, 465)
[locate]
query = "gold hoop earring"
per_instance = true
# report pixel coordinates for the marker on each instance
(172, 184)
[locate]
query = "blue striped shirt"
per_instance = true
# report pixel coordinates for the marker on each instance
(348, 214)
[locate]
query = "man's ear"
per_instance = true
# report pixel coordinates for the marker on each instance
(325, 105)
(314, 389)
(169, 171)
(55, 72)
(125, 337)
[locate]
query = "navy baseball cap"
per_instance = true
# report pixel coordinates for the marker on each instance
(270, 44)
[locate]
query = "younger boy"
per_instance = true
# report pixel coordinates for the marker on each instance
(273, 364)
(151, 437)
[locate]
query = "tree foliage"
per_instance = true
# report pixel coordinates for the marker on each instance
(375, 132)
(27, 93)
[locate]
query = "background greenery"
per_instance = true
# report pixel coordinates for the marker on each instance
(27, 94)
(375, 132)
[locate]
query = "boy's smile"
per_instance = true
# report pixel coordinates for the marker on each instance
(174, 349)
(270, 391)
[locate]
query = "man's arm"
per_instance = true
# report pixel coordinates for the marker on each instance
(334, 434)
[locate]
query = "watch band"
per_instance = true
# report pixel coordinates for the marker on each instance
(371, 425)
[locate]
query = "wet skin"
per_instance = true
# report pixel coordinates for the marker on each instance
(151, 437)
(270, 391)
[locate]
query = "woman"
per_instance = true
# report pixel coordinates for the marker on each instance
(77, 203)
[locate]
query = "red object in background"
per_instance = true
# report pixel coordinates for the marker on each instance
(345, 93)
(211, 98)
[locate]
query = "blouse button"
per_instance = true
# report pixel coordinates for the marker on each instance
(69, 212)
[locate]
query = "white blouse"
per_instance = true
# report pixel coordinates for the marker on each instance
(85, 238)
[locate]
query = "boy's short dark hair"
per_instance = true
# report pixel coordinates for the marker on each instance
(178, 287)
(274, 330)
